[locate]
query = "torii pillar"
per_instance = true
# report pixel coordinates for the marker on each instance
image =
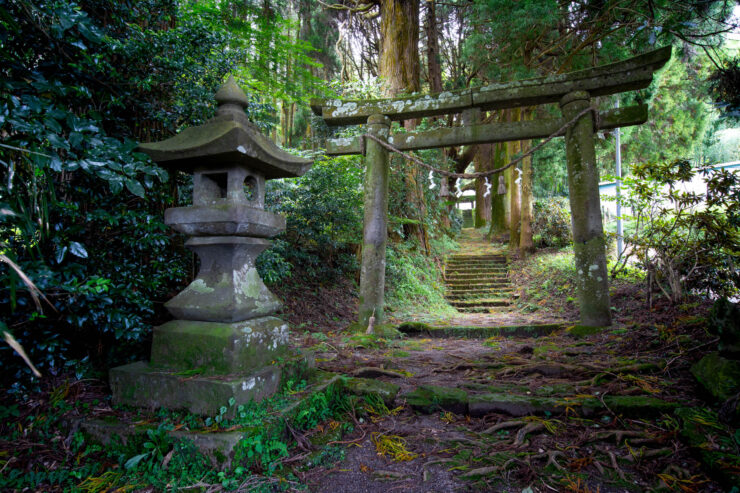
(589, 245)
(375, 223)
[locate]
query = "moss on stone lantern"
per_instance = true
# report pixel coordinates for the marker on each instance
(224, 327)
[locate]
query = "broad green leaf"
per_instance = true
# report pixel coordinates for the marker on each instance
(134, 461)
(135, 187)
(61, 252)
(57, 142)
(77, 249)
(55, 163)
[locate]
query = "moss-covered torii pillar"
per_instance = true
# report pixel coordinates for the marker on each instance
(585, 206)
(375, 225)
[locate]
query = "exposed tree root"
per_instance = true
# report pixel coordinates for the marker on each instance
(545, 369)
(619, 435)
(647, 454)
(504, 425)
(552, 459)
(615, 466)
(521, 435)
(373, 372)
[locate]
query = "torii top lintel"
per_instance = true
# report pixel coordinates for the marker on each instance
(626, 75)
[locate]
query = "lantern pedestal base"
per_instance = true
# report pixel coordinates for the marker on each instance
(140, 385)
(219, 348)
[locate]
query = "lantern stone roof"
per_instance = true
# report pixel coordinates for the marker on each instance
(227, 139)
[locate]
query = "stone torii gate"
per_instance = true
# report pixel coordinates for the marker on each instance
(573, 91)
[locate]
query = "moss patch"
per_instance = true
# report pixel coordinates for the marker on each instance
(430, 398)
(579, 331)
(719, 376)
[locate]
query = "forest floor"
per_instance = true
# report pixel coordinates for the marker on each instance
(519, 400)
(531, 410)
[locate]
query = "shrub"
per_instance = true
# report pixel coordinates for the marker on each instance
(323, 210)
(552, 223)
(684, 240)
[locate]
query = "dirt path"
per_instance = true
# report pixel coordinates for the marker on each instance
(540, 410)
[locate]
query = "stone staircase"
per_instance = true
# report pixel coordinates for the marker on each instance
(478, 283)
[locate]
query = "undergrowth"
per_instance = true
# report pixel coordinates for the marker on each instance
(41, 448)
(548, 280)
(414, 280)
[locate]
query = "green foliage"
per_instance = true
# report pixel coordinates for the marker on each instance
(684, 240)
(414, 280)
(157, 444)
(723, 85)
(679, 115)
(153, 457)
(81, 83)
(262, 36)
(551, 223)
(324, 221)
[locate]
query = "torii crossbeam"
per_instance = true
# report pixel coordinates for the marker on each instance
(573, 91)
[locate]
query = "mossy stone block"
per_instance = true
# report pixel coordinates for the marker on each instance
(719, 376)
(513, 405)
(219, 348)
(638, 405)
(368, 386)
(430, 398)
(217, 447)
(724, 320)
(140, 385)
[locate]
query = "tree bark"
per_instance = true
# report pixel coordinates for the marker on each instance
(513, 189)
(399, 67)
(483, 158)
(498, 208)
(526, 243)
(399, 49)
(433, 59)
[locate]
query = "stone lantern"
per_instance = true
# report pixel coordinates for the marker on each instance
(224, 332)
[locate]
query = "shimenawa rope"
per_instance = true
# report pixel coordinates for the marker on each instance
(482, 174)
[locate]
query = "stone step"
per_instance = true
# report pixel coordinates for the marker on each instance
(476, 263)
(487, 270)
(422, 329)
(477, 257)
(472, 284)
(495, 260)
(486, 309)
(481, 303)
(499, 276)
(479, 289)
(431, 399)
(482, 296)
(458, 289)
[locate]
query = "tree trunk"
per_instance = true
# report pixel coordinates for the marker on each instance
(399, 67)
(513, 189)
(399, 49)
(526, 243)
(433, 59)
(498, 208)
(483, 158)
